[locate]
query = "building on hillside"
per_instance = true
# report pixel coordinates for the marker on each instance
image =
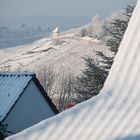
(55, 32)
(23, 101)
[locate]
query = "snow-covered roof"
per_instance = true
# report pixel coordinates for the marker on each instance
(55, 30)
(115, 113)
(11, 87)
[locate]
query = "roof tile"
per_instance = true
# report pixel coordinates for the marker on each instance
(12, 85)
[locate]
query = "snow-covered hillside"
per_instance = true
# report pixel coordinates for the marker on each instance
(62, 53)
(54, 61)
(114, 114)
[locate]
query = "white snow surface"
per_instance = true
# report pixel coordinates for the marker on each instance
(114, 114)
(66, 55)
(11, 87)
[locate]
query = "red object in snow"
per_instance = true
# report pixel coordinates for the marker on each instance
(69, 105)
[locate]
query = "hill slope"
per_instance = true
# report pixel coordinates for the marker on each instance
(57, 63)
(63, 52)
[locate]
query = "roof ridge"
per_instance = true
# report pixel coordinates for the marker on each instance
(17, 74)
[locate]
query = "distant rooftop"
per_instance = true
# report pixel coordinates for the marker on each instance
(16, 74)
(55, 30)
(12, 84)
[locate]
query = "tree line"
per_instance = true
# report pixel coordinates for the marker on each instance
(71, 89)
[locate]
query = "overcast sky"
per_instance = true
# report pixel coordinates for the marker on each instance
(18, 8)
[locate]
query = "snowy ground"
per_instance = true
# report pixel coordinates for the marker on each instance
(67, 55)
(60, 58)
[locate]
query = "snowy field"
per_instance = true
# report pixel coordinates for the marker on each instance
(66, 55)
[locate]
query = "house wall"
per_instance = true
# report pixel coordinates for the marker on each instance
(30, 109)
(54, 35)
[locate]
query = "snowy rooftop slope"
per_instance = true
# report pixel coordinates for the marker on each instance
(11, 87)
(114, 114)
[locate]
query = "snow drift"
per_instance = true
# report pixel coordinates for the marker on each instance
(114, 114)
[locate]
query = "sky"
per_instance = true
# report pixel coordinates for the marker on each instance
(68, 8)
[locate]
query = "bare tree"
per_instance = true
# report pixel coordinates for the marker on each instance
(46, 76)
(65, 91)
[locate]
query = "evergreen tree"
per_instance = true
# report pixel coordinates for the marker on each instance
(106, 62)
(92, 80)
(128, 11)
(117, 30)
